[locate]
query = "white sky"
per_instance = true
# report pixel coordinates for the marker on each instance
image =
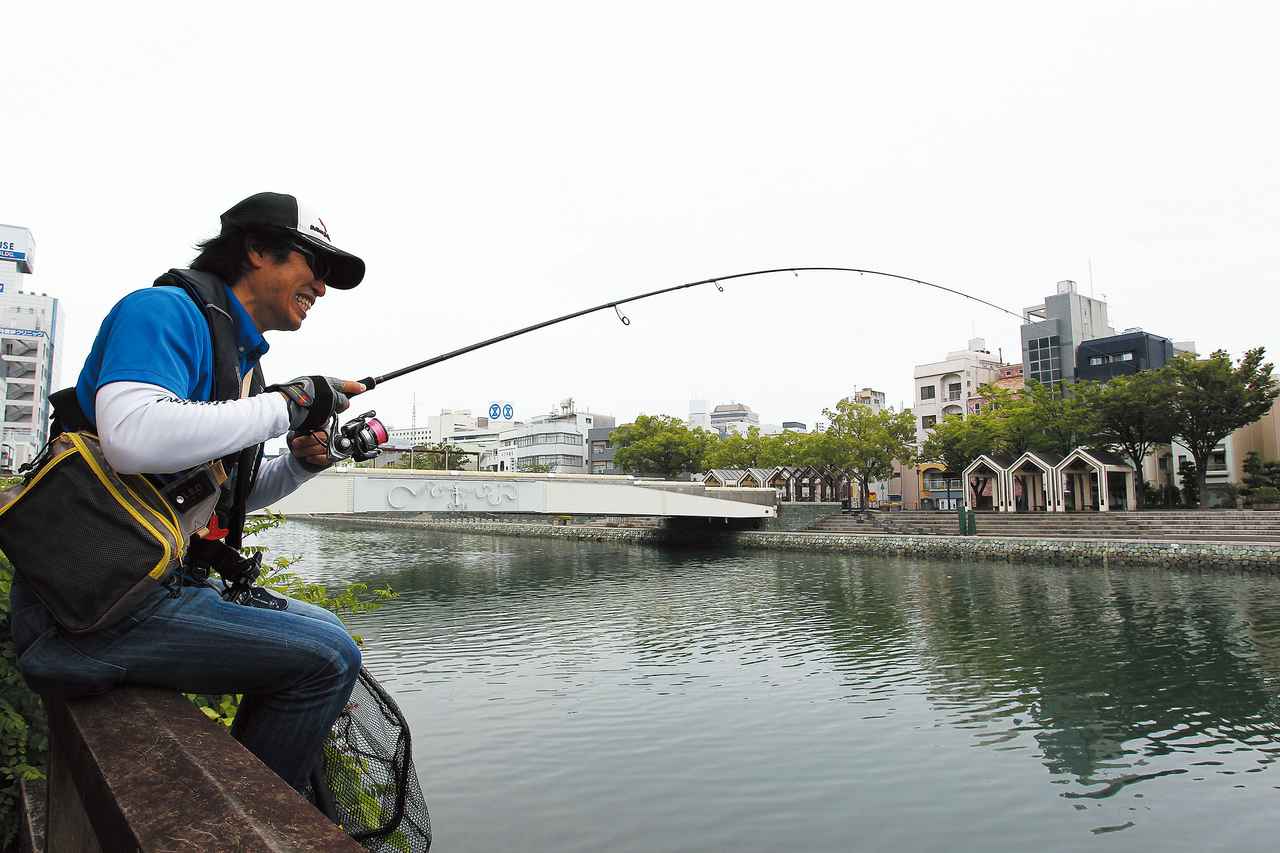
(498, 164)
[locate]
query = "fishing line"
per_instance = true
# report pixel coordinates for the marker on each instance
(371, 382)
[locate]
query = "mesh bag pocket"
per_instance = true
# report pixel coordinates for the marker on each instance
(366, 782)
(85, 539)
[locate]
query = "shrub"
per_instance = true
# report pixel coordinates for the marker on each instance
(1265, 495)
(24, 731)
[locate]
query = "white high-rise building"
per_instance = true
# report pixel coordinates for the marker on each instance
(699, 417)
(30, 352)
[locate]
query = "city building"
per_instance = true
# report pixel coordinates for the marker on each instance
(1052, 331)
(699, 415)
(600, 451)
(943, 388)
(30, 352)
(794, 426)
(1008, 377)
(733, 418)
(1118, 355)
(555, 442)
(438, 428)
(869, 397)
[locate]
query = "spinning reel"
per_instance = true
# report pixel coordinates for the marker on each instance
(358, 438)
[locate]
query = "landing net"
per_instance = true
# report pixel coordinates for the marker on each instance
(367, 783)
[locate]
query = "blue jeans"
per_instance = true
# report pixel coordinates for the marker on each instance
(296, 667)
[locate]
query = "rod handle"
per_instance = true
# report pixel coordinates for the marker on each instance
(369, 383)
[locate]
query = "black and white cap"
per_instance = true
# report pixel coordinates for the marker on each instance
(279, 210)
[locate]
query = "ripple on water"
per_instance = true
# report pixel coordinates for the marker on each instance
(629, 698)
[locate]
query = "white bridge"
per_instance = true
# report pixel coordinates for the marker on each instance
(360, 490)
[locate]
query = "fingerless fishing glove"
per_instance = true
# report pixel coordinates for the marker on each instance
(312, 400)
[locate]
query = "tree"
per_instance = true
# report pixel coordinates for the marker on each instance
(866, 443)
(660, 444)
(1063, 419)
(441, 456)
(1013, 420)
(957, 441)
(1261, 479)
(1134, 413)
(787, 448)
(1213, 398)
(737, 451)
(1190, 482)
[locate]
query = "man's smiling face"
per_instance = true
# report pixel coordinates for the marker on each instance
(281, 293)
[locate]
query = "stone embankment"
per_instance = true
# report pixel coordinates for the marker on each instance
(1218, 556)
(1190, 526)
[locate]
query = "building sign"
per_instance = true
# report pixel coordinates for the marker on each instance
(501, 410)
(16, 245)
(22, 333)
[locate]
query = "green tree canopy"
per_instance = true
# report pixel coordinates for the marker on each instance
(956, 441)
(1213, 398)
(737, 451)
(865, 443)
(660, 444)
(1133, 413)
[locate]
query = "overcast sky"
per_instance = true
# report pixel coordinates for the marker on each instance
(497, 164)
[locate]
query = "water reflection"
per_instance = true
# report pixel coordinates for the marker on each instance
(732, 698)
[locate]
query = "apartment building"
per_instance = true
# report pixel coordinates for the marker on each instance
(943, 388)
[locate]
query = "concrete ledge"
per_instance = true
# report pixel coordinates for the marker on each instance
(1094, 552)
(143, 769)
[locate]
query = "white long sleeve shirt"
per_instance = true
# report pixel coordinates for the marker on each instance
(146, 429)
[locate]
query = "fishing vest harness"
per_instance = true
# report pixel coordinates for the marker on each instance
(210, 294)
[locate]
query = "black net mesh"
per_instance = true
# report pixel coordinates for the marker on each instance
(367, 783)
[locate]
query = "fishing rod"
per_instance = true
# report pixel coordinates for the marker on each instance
(371, 382)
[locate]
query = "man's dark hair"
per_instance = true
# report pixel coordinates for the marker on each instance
(227, 255)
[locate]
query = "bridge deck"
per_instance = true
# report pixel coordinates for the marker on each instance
(362, 490)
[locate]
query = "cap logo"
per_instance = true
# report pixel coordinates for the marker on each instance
(321, 229)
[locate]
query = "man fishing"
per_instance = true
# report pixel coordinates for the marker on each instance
(172, 385)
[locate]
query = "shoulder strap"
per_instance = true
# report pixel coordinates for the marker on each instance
(68, 416)
(210, 294)
(247, 465)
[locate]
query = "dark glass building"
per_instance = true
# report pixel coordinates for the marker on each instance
(1129, 352)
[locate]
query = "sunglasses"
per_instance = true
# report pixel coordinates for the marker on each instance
(320, 268)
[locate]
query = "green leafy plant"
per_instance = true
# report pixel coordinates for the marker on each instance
(24, 731)
(1265, 495)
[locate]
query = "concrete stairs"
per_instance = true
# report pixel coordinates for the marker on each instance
(1241, 526)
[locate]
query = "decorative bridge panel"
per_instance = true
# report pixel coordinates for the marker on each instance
(405, 495)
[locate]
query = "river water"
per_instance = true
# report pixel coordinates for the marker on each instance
(572, 696)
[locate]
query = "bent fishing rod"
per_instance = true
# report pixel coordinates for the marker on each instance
(371, 382)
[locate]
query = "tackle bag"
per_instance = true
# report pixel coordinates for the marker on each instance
(89, 542)
(365, 781)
